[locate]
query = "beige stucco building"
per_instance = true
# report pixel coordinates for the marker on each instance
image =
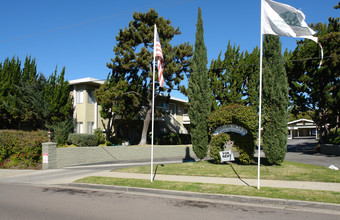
(86, 109)
(87, 112)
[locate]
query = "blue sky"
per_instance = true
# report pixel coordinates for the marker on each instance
(80, 34)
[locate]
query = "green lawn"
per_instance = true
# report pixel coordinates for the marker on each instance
(286, 171)
(280, 193)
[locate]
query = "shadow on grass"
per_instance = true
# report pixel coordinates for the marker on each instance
(264, 162)
(162, 165)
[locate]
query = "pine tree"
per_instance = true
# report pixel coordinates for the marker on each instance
(275, 101)
(199, 94)
(316, 90)
(116, 99)
(133, 59)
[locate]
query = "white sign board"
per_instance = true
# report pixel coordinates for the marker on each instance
(230, 128)
(226, 156)
(45, 157)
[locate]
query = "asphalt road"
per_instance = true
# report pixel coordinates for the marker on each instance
(55, 203)
(38, 195)
(302, 150)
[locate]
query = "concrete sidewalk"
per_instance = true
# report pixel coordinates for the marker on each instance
(231, 181)
(65, 176)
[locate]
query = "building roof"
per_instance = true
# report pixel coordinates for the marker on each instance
(174, 98)
(93, 81)
(88, 80)
(301, 120)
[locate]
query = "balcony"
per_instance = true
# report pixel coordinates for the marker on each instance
(186, 119)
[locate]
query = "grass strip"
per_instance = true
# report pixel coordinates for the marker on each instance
(269, 192)
(286, 171)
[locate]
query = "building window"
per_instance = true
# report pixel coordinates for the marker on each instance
(79, 128)
(172, 108)
(79, 96)
(91, 99)
(90, 127)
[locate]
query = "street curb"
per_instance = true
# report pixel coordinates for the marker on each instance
(285, 204)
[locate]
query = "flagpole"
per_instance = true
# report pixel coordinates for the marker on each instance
(260, 106)
(153, 101)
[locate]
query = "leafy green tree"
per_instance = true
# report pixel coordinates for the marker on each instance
(31, 102)
(10, 75)
(133, 59)
(21, 99)
(199, 94)
(235, 79)
(251, 76)
(27, 101)
(312, 89)
(32, 105)
(116, 98)
(227, 76)
(29, 72)
(56, 94)
(275, 101)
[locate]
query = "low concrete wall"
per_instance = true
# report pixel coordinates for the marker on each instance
(86, 155)
(330, 149)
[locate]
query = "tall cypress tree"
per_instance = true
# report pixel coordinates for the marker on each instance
(10, 75)
(199, 93)
(56, 94)
(275, 101)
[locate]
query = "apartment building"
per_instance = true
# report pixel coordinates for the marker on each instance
(173, 117)
(86, 109)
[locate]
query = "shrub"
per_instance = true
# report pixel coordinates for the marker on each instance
(21, 149)
(216, 145)
(100, 136)
(61, 130)
(116, 140)
(82, 140)
(170, 138)
(334, 137)
(244, 116)
(185, 138)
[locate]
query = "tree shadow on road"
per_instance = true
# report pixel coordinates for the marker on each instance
(305, 146)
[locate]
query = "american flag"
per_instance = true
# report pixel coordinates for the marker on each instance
(160, 60)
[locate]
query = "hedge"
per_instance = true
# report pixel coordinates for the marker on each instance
(83, 140)
(216, 145)
(244, 116)
(173, 139)
(21, 149)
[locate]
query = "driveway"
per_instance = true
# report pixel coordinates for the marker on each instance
(302, 150)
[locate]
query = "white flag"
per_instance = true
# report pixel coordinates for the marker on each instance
(284, 20)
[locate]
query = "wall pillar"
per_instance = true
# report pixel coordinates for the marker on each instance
(49, 153)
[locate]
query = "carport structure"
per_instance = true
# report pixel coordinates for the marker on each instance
(302, 128)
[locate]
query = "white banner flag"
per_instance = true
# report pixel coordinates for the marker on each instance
(284, 20)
